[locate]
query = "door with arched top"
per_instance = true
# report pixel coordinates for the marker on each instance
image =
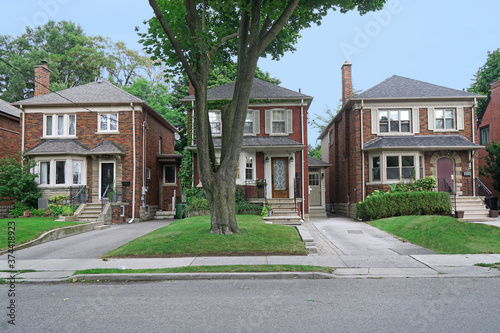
(445, 174)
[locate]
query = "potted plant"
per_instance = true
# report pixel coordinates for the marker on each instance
(260, 182)
(493, 213)
(459, 214)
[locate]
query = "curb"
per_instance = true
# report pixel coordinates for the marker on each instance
(55, 234)
(201, 276)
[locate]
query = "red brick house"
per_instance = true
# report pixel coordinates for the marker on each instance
(10, 130)
(274, 147)
(489, 129)
(106, 143)
(398, 129)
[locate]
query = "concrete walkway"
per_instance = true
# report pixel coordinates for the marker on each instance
(356, 249)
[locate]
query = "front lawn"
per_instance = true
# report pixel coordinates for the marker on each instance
(29, 228)
(443, 234)
(191, 237)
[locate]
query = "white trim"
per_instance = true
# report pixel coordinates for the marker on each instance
(175, 174)
(55, 126)
(68, 170)
(100, 175)
(108, 131)
(383, 168)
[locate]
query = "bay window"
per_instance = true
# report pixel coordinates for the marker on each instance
(390, 167)
(61, 172)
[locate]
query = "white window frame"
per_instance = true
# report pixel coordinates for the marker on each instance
(255, 116)
(484, 131)
(108, 121)
(418, 159)
(399, 112)
(56, 130)
(242, 168)
(175, 174)
(270, 114)
(69, 163)
(148, 173)
(458, 118)
(215, 112)
(250, 169)
(454, 119)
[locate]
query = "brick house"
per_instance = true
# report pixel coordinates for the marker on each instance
(488, 126)
(98, 139)
(398, 129)
(274, 147)
(10, 130)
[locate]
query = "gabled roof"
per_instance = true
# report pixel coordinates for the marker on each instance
(108, 148)
(8, 109)
(100, 92)
(260, 90)
(402, 87)
(314, 162)
(422, 142)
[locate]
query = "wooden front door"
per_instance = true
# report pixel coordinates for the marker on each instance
(314, 187)
(280, 177)
(445, 171)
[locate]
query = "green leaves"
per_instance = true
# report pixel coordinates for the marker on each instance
(17, 183)
(492, 167)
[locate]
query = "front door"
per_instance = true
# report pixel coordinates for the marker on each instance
(314, 187)
(107, 176)
(445, 174)
(280, 177)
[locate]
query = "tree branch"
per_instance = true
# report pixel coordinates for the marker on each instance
(269, 36)
(172, 39)
(225, 39)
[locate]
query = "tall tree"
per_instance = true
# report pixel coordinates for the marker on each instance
(485, 76)
(492, 167)
(197, 35)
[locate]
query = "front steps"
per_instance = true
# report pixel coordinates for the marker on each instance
(317, 212)
(90, 212)
(474, 209)
(284, 212)
(165, 215)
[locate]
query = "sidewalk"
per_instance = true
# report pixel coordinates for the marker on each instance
(355, 249)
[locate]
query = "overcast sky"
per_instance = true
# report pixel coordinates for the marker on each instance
(442, 42)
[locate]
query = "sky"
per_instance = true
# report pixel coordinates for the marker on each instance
(443, 42)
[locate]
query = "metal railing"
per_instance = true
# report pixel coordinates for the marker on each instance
(482, 191)
(446, 186)
(296, 191)
(80, 197)
(111, 194)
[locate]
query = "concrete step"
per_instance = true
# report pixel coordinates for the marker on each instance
(284, 212)
(286, 220)
(101, 227)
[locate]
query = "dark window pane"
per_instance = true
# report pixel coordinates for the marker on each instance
(384, 126)
(376, 174)
(405, 126)
(449, 123)
(60, 172)
(170, 174)
(408, 172)
(392, 161)
(439, 123)
(392, 173)
(394, 126)
(407, 161)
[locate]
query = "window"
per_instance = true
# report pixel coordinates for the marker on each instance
(376, 168)
(445, 118)
(484, 135)
(398, 167)
(279, 121)
(60, 166)
(314, 177)
(169, 172)
(394, 121)
(407, 167)
(330, 137)
(148, 173)
(66, 172)
(392, 168)
(62, 125)
(215, 122)
(249, 122)
(108, 122)
(421, 162)
(77, 172)
(44, 173)
(249, 168)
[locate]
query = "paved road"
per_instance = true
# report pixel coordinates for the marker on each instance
(383, 305)
(92, 244)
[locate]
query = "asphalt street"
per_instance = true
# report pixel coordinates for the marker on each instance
(369, 305)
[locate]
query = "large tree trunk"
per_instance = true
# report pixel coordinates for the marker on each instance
(223, 214)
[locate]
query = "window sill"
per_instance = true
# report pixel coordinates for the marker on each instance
(452, 130)
(58, 137)
(169, 184)
(279, 134)
(108, 132)
(394, 133)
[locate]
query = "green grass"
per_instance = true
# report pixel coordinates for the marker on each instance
(191, 237)
(214, 269)
(443, 234)
(495, 265)
(28, 228)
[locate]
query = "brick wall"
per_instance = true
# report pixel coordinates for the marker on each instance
(10, 137)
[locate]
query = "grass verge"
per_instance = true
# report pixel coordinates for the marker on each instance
(29, 228)
(191, 237)
(495, 265)
(214, 269)
(443, 234)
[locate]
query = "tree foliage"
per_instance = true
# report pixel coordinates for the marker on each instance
(17, 183)
(314, 152)
(485, 76)
(196, 36)
(73, 58)
(492, 168)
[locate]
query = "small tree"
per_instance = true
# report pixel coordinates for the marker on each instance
(492, 168)
(17, 183)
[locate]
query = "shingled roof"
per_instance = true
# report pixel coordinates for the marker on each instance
(402, 87)
(8, 109)
(264, 142)
(260, 90)
(314, 162)
(100, 92)
(64, 147)
(422, 142)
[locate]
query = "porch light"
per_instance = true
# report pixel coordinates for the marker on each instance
(322, 175)
(291, 158)
(267, 158)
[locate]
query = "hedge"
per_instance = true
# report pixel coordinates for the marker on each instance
(403, 203)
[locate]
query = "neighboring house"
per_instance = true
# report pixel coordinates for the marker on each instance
(489, 129)
(102, 140)
(399, 129)
(274, 144)
(10, 130)
(317, 187)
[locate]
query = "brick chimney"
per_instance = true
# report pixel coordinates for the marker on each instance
(191, 88)
(42, 79)
(346, 82)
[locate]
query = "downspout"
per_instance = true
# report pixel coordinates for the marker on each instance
(362, 155)
(192, 138)
(22, 130)
(144, 190)
(302, 153)
(473, 116)
(134, 164)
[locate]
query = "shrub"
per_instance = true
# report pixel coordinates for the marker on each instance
(19, 209)
(248, 208)
(17, 182)
(193, 193)
(197, 205)
(403, 203)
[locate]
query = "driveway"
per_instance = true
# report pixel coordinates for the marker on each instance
(352, 238)
(88, 245)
